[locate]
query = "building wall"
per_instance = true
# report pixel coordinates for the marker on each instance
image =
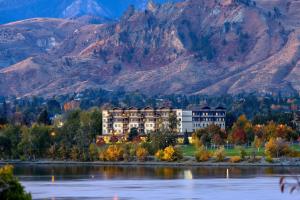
(120, 121)
(208, 116)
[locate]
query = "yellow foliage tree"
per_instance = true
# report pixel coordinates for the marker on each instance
(202, 154)
(141, 154)
(276, 147)
(220, 154)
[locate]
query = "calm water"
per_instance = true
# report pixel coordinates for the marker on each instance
(97, 182)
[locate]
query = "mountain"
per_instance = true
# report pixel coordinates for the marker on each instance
(190, 47)
(13, 10)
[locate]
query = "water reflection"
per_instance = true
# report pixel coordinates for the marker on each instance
(188, 174)
(227, 173)
(114, 172)
(111, 182)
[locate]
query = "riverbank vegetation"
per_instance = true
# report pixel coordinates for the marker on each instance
(73, 134)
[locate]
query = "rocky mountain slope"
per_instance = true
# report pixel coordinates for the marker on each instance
(191, 47)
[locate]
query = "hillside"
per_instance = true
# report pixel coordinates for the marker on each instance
(13, 10)
(191, 47)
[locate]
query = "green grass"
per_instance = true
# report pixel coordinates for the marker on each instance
(190, 150)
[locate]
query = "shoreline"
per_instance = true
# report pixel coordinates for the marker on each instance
(153, 163)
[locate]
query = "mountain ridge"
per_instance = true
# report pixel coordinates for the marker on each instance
(14, 10)
(190, 47)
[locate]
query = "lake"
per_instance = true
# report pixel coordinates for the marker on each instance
(59, 182)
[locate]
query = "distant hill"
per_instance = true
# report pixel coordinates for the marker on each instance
(190, 47)
(13, 10)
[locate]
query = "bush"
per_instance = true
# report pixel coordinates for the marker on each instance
(159, 155)
(101, 154)
(100, 141)
(112, 153)
(113, 139)
(129, 150)
(149, 147)
(196, 141)
(294, 154)
(235, 159)
(219, 154)
(141, 154)
(269, 159)
(202, 154)
(242, 152)
(10, 188)
(169, 154)
(276, 148)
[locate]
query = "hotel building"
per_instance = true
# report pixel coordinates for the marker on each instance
(120, 121)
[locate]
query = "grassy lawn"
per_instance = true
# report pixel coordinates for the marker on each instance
(190, 150)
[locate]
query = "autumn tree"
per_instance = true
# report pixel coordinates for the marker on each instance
(242, 131)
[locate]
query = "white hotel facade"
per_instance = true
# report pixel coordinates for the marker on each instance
(120, 121)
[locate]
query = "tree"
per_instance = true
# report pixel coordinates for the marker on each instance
(10, 188)
(13, 134)
(242, 131)
(173, 123)
(257, 143)
(96, 122)
(5, 147)
(53, 106)
(276, 147)
(93, 152)
(186, 138)
(162, 139)
(43, 118)
(132, 134)
(41, 141)
(270, 131)
(230, 119)
(211, 135)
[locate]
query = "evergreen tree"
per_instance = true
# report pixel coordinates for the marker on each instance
(186, 138)
(44, 118)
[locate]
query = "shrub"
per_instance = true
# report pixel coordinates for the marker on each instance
(101, 154)
(219, 154)
(159, 155)
(113, 139)
(100, 141)
(196, 141)
(294, 154)
(141, 154)
(202, 154)
(276, 147)
(129, 150)
(242, 152)
(269, 159)
(169, 154)
(235, 159)
(149, 147)
(112, 153)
